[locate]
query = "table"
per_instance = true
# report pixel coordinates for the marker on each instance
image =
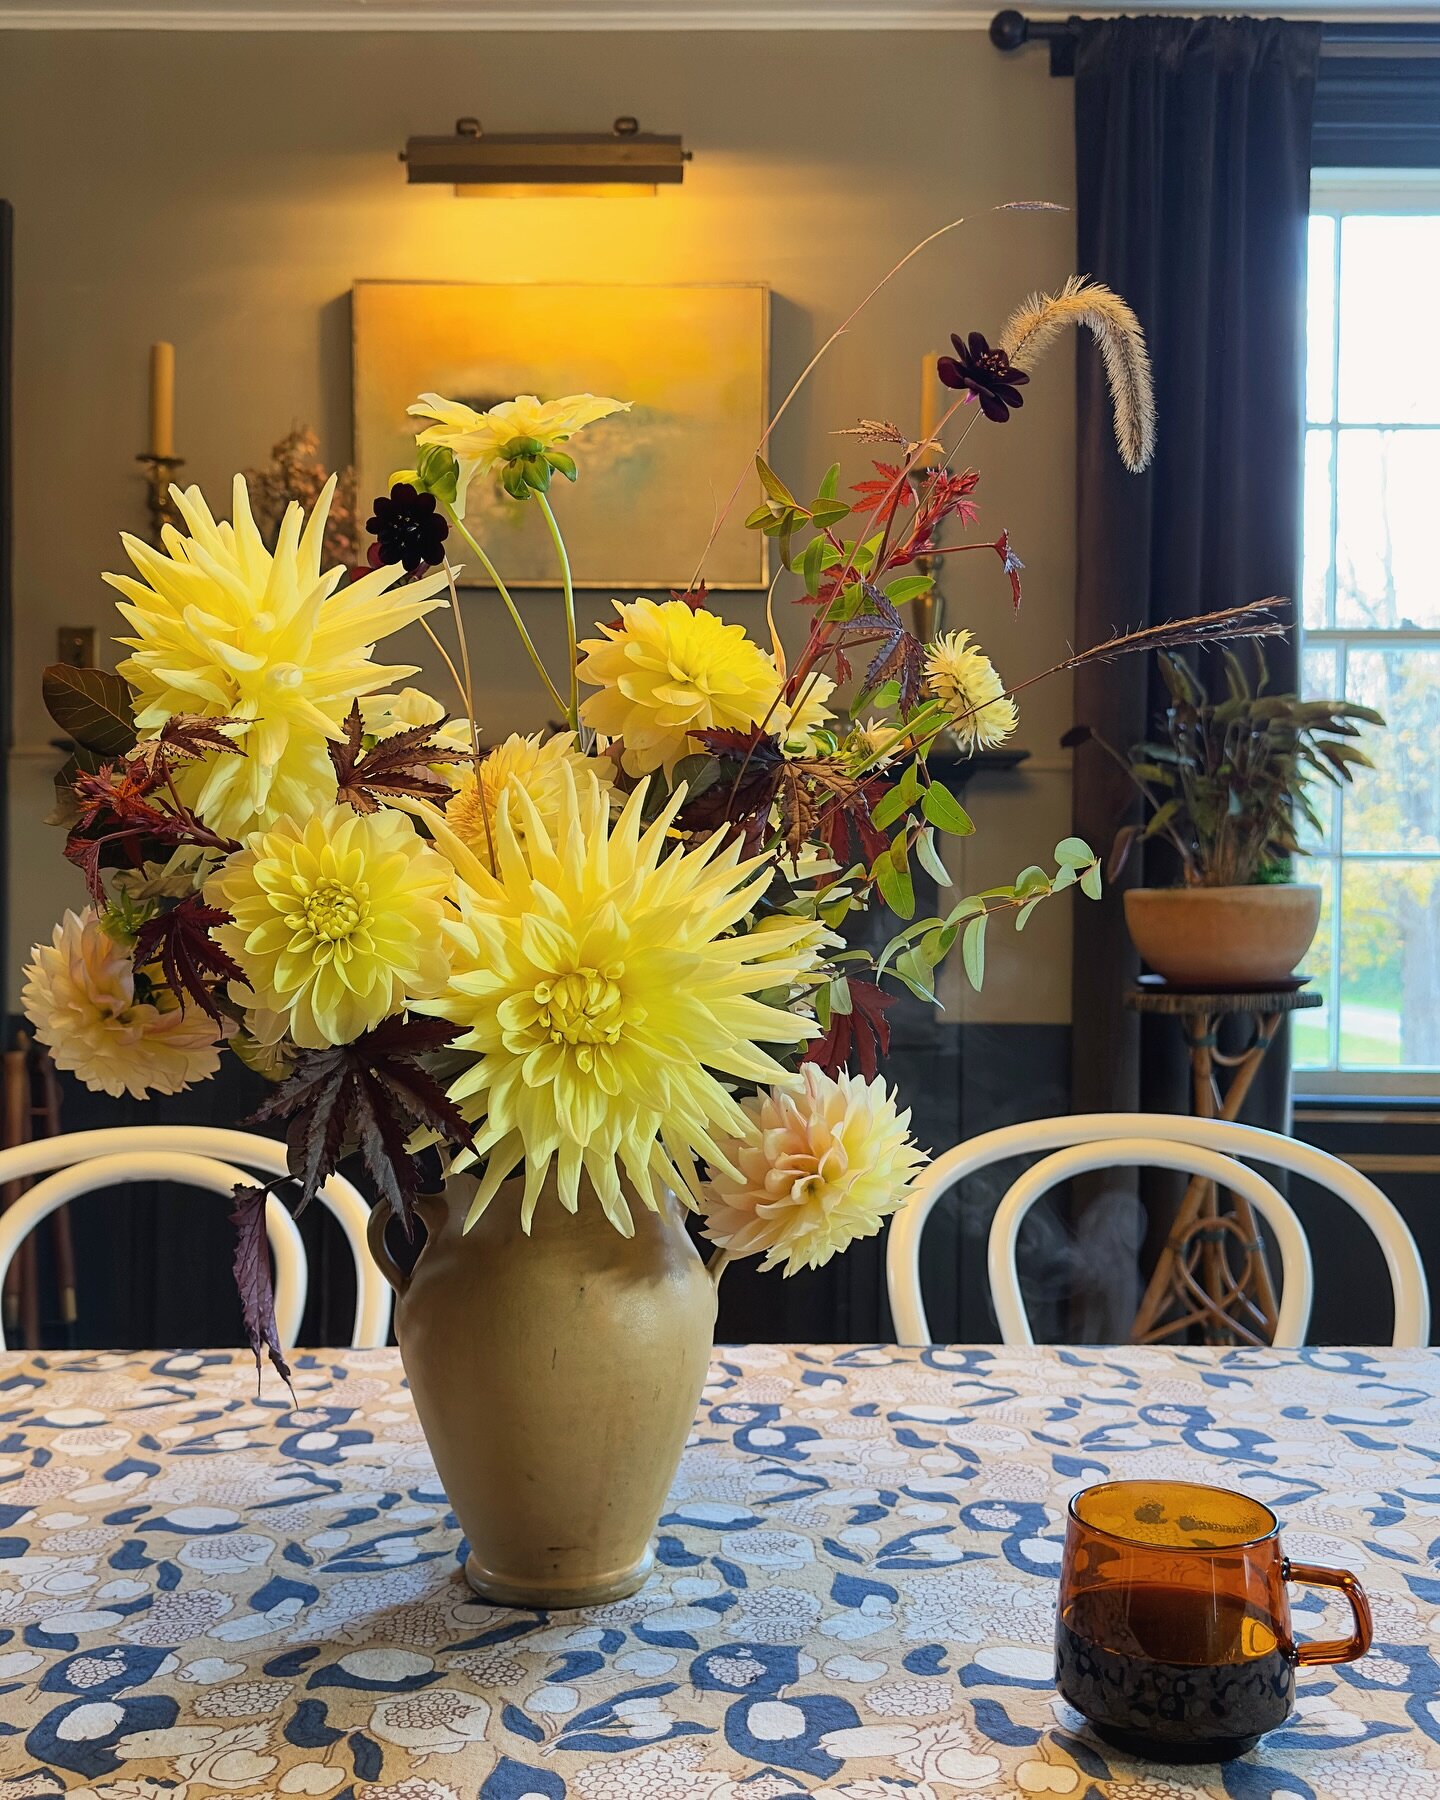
(854, 1599)
(1212, 1273)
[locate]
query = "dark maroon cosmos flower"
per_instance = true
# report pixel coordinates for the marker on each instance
(407, 528)
(985, 373)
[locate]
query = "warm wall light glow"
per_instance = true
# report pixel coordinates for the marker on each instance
(554, 190)
(622, 163)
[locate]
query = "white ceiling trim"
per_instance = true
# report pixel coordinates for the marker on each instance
(595, 15)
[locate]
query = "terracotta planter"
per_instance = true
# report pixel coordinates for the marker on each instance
(1223, 937)
(556, 1377)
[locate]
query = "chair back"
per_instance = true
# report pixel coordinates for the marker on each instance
(191, 1155)
(1031, 1137)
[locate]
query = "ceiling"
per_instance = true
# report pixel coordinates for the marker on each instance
(602, 15)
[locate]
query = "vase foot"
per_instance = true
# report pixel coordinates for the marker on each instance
(547, 1596)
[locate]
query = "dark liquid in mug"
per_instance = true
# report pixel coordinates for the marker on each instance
(1172, 1672)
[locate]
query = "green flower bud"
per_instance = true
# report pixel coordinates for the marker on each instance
(437, 472)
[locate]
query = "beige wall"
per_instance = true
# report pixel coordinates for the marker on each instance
(224, 190)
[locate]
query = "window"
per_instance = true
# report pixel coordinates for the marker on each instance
(1371, 627)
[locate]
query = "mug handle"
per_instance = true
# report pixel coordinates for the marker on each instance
(1334, 1650)
(380, 1216)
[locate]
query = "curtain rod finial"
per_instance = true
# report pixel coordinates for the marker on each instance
(1009, 30)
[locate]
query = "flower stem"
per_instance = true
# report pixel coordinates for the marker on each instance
(568, 584)
(510, 607)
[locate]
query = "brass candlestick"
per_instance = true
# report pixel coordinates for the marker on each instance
(159, 473)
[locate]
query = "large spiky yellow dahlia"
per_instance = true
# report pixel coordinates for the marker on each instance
(226, 629)
(533, 764)
(664, 672)
(606, 997)
(483, 442)
(337, 921)
(966, 683)
(79, 994)
(819, 1165)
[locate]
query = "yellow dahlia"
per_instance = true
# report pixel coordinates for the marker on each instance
(337, 921)
(963, 679)
(483, 442)
(533, 764)
(226, 629)
(601, 986)
(817, 1167)
(663, 672)
(79, 994)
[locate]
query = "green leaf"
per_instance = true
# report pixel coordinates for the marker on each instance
(915, 973)
(946, 813)
(898, 799)
(840, 1001)
(698, 772)
(1074, 850)
(892, 877)
(972, 950)
(965, 909)
(772, 483)
(1091, 884)
(1032, 880)
(826, 513)
(1026, 910)
(92, 706)
(930, 859)
(812, 564)
(907, 588)
(822, 1006)
(830, 484)
(1065, 876)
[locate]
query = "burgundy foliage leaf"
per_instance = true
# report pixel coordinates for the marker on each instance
(369, 1096)
(185, 735)
(884, 492)
(1012, 566)
(695, 598)
(752, 764)
(123, 821)
(863, 1032)
(901, 655)
(193, 964)
(252, 1279)
(398, 765)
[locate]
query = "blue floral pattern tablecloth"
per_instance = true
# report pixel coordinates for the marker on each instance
(204, 1594)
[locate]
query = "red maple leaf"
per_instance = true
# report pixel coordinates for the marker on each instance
(192, 963)
(399, 764)
(883, 493)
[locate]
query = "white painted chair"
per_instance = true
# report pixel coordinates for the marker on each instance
(190, 1155)
(1103, 1133)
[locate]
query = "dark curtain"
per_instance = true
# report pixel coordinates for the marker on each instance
(1193, 179)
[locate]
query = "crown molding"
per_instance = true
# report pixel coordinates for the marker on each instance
(597, 15)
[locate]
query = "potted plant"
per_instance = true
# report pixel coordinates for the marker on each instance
(599, 972)
(1226, 784)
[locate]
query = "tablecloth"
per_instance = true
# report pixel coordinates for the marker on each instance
(203, 1593)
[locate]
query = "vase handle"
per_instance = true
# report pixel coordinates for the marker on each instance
(380, 1216)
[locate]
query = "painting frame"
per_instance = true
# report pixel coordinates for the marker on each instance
(373, 308)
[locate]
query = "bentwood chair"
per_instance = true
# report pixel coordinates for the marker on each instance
(1165, 1140)
(190, 1155)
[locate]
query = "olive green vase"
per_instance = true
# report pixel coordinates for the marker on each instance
(556, 1376)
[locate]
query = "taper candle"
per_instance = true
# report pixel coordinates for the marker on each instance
(929, 409)
(162, 400)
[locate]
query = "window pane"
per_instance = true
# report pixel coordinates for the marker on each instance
(1387, 484)
(1319, 494)
(1388, 264)
(1390, 966)
(1395, 807)
(1310, 1031)
(1320, 321)
(1319, 680)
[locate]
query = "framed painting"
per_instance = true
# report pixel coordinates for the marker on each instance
(692, 360)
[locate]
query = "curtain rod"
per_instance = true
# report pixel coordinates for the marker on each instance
(1011, 30)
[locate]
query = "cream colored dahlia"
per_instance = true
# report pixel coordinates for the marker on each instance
(226, 629)
(533, 764)
(483, 441)
(963, 679)
(599, 983)
(337, 922)
(664, 672)
(875, 738)
(817, 1167)
(79, 994)
(385, 714)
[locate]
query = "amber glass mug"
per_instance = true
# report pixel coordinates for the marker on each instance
(1173, 1633)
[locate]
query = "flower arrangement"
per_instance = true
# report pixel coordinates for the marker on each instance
(608, 961)
(1226, 783)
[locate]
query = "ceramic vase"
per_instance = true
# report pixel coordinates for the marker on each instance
(1223, 938)
(556, 1376)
